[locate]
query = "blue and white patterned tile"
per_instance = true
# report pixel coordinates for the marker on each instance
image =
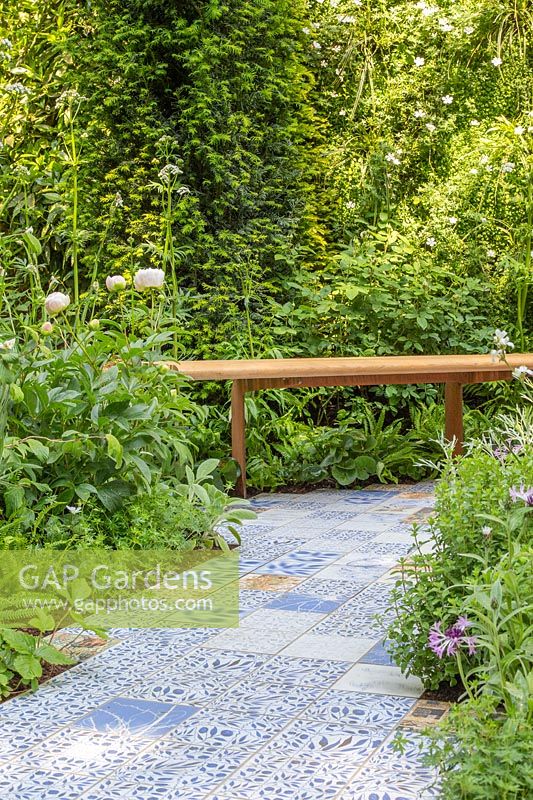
(253, 696)
(265, 631)
(300, 562)
(386, 548)
(226, 729)
(330, 647)
(358, 568)
(294, 601)
(350, 536)
(199, 679)
(302, 671)
(340, 623)
(247, 565)
(370, 522)
(38, 784)
(301, 778)
(377, 679)
(252, 599)
(389, 786)
(379, 654)
(268, 549)
(331, 589)
(359, 708)
(134, 716)
(329, 741)
(170, 770)
(83, 752)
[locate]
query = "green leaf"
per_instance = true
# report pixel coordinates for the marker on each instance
(113, 494)
(27, 666)
(19, 641)
(13, 499)
(114, 449)
(206, 468)
(52, 655)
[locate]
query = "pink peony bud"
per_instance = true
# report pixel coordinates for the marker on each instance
(47, 328)
(56, 302)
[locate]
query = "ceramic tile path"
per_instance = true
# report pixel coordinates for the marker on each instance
(301, 702)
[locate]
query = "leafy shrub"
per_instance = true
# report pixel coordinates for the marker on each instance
(481, 754)
(93, 419)
(432, 586)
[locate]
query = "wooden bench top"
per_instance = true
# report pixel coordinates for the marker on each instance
(362, 370)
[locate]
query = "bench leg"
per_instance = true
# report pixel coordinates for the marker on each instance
(454, 415)
(238, 435)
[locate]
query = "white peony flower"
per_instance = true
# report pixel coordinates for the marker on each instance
(56, 302)
(115, 283)
(149, 279)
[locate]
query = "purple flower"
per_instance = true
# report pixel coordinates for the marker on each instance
(501, 453)
(522, 494)
(450, 641)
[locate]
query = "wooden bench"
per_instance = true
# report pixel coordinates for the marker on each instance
(284, 373)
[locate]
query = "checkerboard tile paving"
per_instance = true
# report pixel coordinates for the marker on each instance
(302, 701)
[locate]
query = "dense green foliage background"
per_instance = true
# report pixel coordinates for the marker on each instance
(355, 177)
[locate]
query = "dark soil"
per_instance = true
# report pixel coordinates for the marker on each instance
(445, 693)
(327, 483)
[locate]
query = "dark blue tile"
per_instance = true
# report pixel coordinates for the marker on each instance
(378, 655)
(291, 601)
(135, 716)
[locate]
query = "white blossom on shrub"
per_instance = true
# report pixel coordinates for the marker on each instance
(9, 344)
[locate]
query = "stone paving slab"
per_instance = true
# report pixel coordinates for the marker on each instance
(302, 701)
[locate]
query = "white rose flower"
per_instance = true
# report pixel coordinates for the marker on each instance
(56, 302)
(149, 279)
(115, 283)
